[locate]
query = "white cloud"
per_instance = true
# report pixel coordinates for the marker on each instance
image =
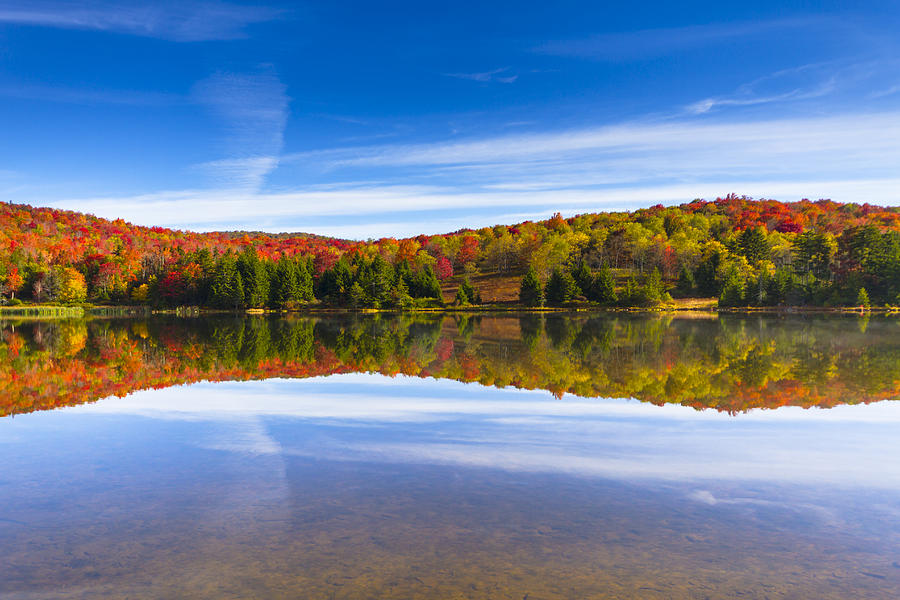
(705, 144)
(650, 43)
(849, 158)
(254, 109)
(499, 75)
(50, 93)
(226, 209)
(517, 430)
(186, 21)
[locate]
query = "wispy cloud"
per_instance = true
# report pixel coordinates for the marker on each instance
(650, 43)
(527, 431)
(677, 147)
(254, 110)
(70, 95)
(501, 75)
(444, 186)
(890, 91)
(186, 21)
(384, 211)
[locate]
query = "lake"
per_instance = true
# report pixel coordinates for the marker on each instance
(451, 456)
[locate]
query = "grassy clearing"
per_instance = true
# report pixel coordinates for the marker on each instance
(42, 312)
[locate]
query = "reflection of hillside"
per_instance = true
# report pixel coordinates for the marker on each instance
(729, 363)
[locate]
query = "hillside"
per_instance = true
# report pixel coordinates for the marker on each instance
(747, 252)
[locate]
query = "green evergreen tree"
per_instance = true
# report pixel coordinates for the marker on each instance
(400, 294)
(427, 284)
(653, 289)
(357, 296)
(237, 298)
(472, 297)
(255, 278)
(733, 290)
(685, 284)
(754, 245)
(603, 287)
(862, 298)
(631, 295)
(706, 275)
(583, 277)
(304, 282)
(561, 287)
(461, 299)
(285, 285)
(224, 292)
(530, 292)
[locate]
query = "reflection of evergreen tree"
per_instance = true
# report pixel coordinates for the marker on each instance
(530, 327)
(730, 362)
(560, 330)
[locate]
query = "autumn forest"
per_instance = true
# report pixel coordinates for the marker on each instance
(739, 251)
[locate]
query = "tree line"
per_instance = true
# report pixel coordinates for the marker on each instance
(742, 251)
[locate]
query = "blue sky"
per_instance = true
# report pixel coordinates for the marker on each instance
(363, 119)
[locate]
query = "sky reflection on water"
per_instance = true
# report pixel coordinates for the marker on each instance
(403, 420)
(359, 486)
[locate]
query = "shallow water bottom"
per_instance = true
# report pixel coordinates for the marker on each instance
(303, 528)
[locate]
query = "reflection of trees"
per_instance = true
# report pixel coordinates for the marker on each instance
(729, 363)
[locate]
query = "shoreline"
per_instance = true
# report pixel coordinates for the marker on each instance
(63, 312)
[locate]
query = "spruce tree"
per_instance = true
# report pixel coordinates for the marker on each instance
(733, 290)
(685, 284)
(561, 287)
(862, 298)
(653, 289)
(603, 288)
(530, 292)
(583, 277)
(472, 297)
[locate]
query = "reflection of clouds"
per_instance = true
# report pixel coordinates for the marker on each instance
(403, 420)
(375, 397)
(826, 515)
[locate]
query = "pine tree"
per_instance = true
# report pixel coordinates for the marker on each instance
(583, 277)
(400, 294)
(685, 284)
(236, 297)
(224, 280)
(304, 282)
(284, 285)
(753, 244)
(255, 279)
(653, 289)
(862, 298)
(427, 284)
(472, 297)
(732, 291)
(561, 287)
(603, 288)
(357, 295)
(530, 292)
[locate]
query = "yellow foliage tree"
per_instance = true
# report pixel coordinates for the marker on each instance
(72, 287)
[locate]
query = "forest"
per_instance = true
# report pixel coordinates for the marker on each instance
(727, 362)
(736, 250)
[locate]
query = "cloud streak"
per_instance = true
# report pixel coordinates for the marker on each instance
(254, 110)
(186, 21)
(497, 75)
(651, 43)
(849, 158)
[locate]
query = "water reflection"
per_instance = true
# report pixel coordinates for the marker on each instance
(361, 486)
(324, 479)
(730, 363)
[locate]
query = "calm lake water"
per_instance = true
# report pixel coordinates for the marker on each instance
(451, 457)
